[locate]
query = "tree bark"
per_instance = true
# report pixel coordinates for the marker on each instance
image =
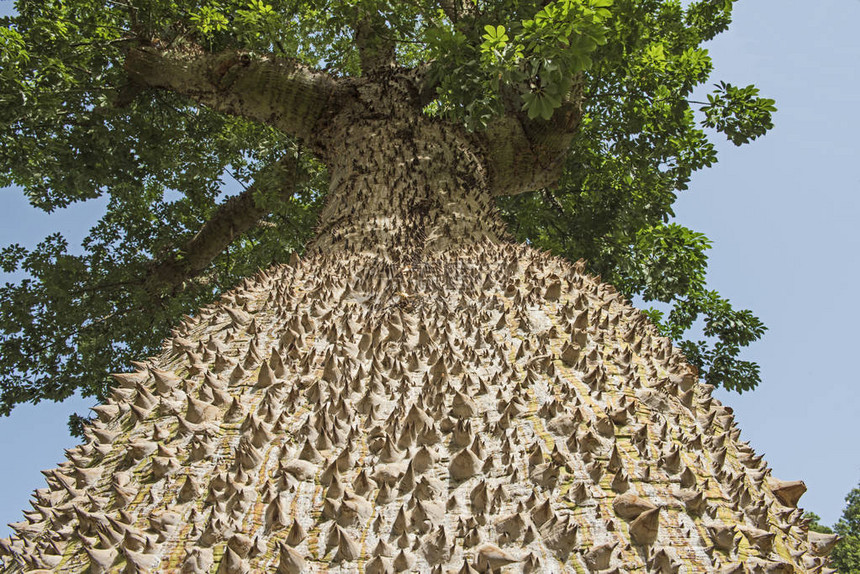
(375, 44)
(276, 91)
(518, 153)
(528, 154)
(403, 186)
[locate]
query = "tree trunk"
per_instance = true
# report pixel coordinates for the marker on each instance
(418, 394)
(403, 187)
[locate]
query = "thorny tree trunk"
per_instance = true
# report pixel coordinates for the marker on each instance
(418, 394)
(403, 187)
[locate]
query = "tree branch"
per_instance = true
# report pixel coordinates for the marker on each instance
(375, 46)
(449, 8)
(276, 91)
(528, 154)
(234, 217)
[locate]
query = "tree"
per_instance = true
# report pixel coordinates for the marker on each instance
(92, 105)
(417, 391)
(846, 554)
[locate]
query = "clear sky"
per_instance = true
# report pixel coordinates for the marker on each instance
(784, 215)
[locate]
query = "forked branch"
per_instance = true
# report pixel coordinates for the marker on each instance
(528, 154)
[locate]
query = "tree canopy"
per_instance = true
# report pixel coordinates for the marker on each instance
(77, 123)
(845, 556)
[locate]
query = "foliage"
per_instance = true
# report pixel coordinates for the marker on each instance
(738, 112)
(846, 556)
(814, 523)
(73, 128)
(536, 56)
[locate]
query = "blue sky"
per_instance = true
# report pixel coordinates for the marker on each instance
(784, 215)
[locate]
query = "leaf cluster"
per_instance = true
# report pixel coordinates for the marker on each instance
(518, 55)
(846, 556)
(738, 112)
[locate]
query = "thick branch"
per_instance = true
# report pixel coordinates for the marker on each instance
(234, 217)
(449, 7)
(279, 92)
(375, 44)
(526, 155)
